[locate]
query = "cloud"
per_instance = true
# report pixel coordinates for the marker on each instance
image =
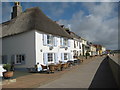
(99, 26)
(56, 9)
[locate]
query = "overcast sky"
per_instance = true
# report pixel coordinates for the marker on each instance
(97, 22)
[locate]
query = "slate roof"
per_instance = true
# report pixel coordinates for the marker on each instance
(32, 19)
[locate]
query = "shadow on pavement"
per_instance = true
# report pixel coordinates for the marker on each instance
(103, 77)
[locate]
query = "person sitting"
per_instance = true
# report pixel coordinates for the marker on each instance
(38, 67)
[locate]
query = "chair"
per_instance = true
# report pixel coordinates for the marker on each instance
(44, 68)
(58, 67)
(67, 64)
(64, 66)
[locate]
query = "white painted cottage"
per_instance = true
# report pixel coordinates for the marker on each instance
(76, 46)
(31, 37)
(85, 46)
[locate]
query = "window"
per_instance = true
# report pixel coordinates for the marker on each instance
(74, 54)
(74, 44)
(65, 42)
(77, 43)
(4, 59)
(50, 57)
(49, 39)
(19, 59)
(61, 41)
(79, 46)
(65, 56)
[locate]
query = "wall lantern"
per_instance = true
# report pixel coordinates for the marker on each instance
(40, 50)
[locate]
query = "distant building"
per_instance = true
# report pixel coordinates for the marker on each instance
(103, 50)
(92, 50)
(85, 47)
(76, 44)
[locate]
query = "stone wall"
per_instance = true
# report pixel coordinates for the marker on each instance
(115, 70)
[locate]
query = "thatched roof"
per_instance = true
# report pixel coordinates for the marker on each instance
(32, 19)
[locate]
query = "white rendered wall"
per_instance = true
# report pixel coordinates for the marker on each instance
(41, 49)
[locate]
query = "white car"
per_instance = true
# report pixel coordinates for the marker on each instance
(1, 70)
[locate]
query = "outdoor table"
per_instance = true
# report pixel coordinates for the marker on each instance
(71, 62)
(76, 62)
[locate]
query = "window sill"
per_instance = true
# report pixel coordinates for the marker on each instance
(18, 63)
(63, 46)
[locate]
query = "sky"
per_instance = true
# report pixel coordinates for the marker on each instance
(97, 22)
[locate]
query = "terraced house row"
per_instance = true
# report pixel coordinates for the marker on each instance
(31, 37)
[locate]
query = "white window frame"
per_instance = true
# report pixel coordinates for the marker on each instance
(19, 57)
(50, 40)
(75, 44)
(65, 41)
(79, 45)
(50, 56)
(65, 56)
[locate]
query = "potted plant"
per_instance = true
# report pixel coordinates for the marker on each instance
(8, 73)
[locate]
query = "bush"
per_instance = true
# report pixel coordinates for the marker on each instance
(7, 67)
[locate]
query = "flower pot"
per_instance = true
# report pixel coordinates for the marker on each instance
(52, 68)
(8, 74)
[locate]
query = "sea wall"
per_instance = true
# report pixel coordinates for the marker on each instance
(115, 67)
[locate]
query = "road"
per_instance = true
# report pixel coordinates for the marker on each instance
(95, 74)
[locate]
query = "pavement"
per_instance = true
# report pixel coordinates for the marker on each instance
(81, 77)
(33, 80)
(85, 75)
(115, 58)
(95, 74)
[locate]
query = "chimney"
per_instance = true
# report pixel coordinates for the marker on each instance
(17, 10)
